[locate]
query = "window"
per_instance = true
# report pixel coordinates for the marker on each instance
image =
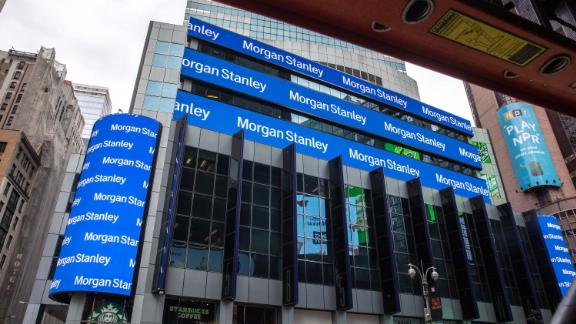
(3, 147)
(315, 256)
(13, 85)
(17, 75)
(260, 221)
(4, 106)
(8, 96)
(363, 258)
(7, 188)
(199, 227)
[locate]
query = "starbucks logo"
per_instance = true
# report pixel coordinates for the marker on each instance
(108, 312)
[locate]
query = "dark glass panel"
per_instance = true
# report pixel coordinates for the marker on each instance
(314, 272)
(181, 228)
(217, 234)
(187, 179)
(223, 164)
(184, 203)
(221, 186)
(261, 173)
(261, 195)
(259, 241)
(204, 183)
(219, 209)
(202, 206)
(260, 217)
(260, 265)
(199, 231)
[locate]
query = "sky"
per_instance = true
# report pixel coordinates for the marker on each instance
(101, 43)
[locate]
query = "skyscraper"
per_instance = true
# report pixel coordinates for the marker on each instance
(94, 102)
(557, 131)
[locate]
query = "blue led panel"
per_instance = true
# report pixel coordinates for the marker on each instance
(102, 238)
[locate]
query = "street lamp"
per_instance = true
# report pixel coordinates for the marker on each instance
(412, 272)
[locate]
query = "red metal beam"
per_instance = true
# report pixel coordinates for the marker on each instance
(459, 25)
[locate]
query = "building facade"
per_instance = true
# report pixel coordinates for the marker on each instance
(37, 102)
(288, 191)
(557, 132)
(18, 164)
(94, 102)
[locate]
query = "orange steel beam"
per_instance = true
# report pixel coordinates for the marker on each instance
(466, 39)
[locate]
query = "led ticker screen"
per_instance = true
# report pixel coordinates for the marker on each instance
(557, 251)
(101, 242)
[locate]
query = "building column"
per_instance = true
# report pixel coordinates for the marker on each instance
(339, 317)
(225, 312)
(287, 315)
(76, 309)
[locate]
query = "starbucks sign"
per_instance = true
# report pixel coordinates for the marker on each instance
(108, 312)
(188, 311)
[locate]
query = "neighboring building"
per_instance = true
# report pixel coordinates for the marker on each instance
(37, 101)
(558, 132)
(490, 172)
(18, 165)
(2, 2)
(264, 231)
(94, 102)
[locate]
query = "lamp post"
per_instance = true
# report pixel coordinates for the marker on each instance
(412, 272)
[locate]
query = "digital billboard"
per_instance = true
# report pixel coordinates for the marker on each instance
(282, 92)
(220, 36)
(223, 118)
(526, 146)
(557, 251)
(102, 237)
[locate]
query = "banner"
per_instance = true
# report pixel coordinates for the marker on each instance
(558, 251)
(259, 85)
(242, 44)
(102, 238)
(526, 146)
(223, 118)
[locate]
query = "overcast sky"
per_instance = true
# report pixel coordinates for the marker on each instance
(101, 43)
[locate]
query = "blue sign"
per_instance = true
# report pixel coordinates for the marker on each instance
(210, 33)
(526, 146)
(237, 78)
(223, 118)
(557, 251)
(102, 237)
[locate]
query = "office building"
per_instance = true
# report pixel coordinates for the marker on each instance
(286, 188)
(18, 164)
(37, 104)
(94, 102)
(557, 131)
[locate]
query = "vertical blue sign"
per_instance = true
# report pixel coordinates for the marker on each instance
(102, 237)
(557, 251)
(526, 147)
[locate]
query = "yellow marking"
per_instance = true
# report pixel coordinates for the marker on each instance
(486, 39)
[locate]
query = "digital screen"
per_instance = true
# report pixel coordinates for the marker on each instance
(245, 45)
(527, 148)
(223, 118)
(102, 237)
(240, 79)
(558, 251)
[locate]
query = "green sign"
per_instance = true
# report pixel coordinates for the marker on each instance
(483, 152)
(108, 312)
(402, 151)
(492, 185)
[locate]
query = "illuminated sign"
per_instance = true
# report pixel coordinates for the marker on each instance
(187, 311)
(216, 116)
(557, 251)
(259, 85)
(526, 146)
(264, 52)
(102, 237)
